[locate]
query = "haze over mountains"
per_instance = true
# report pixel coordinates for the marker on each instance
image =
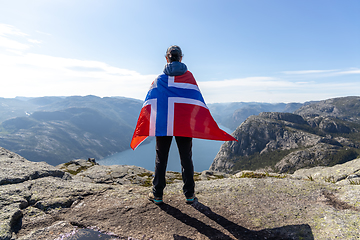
(60, 129)
(55, 130)
(276, 137)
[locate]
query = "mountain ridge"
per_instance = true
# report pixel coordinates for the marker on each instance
(321, 133)
(60, 129)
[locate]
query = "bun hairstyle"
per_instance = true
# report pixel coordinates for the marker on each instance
(174, 53)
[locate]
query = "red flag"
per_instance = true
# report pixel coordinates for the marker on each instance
(174, 106)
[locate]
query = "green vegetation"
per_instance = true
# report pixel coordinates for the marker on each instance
(74, 172)
(330, 179)
(342, 156)
(310, 178)
(197, 176)
(260, 175)
(148, 180)
(257, 160)
(145, 174)
(354, 182)
(252, 175)
(78, 170)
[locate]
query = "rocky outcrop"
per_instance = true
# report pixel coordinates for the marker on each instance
(285, 142)
(317, 203)
(16, 169)
(31, 189)
(342, 174)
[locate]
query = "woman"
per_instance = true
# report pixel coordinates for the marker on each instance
(174, 67)
(174, 106)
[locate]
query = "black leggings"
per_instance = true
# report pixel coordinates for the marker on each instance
(187, 168)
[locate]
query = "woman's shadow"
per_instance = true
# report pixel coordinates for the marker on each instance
(238, 232)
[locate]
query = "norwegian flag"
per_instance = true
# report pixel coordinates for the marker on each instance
(174, 106)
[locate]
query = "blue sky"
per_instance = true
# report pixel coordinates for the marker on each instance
(258, 50)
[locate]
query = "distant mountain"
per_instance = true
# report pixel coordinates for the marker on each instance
(231, 115)
(11, 107)
(323, 133)
(56, 130)
(59, 129)
(347, 108)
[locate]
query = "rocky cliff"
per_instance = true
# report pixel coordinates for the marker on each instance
(319, 134)
(83, 200)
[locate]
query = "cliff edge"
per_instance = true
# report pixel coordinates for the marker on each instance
(39, 201)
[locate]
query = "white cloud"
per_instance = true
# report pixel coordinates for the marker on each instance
(34, 41)
(11, 44)
(48, 34)
(303, 72)
(269, 89)
(29, 74)
(40, 75)
(6, 29)
(328, 73)
(247, 82)
(346, 72)
(7, 41)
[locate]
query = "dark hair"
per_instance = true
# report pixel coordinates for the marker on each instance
(174, 53)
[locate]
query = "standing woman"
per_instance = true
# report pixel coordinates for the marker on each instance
(174, 67)
(174, 106)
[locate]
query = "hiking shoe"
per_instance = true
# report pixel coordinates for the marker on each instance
(156, 200)
(190, 200)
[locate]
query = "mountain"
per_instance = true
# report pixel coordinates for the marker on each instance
(56, 130)
(231, 115)
(323, 133)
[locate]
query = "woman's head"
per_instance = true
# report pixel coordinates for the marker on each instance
(174, 54)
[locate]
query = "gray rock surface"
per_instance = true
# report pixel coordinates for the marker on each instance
(16, 169)
(248, 205)
(340, 174)
(115, 174)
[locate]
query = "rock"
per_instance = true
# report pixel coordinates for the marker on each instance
(213, 175)
(16, 169)
(116, 174)
(288, 117)
(28, 185)
(339, 174)
(54, 230)
(247, 205)
(76, 166)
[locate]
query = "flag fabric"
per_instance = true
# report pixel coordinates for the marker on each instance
(174, 106)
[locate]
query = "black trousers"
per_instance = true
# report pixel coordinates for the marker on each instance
(187, 168)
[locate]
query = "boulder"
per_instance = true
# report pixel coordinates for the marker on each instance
(16, 169)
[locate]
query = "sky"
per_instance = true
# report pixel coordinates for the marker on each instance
(239, 51)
